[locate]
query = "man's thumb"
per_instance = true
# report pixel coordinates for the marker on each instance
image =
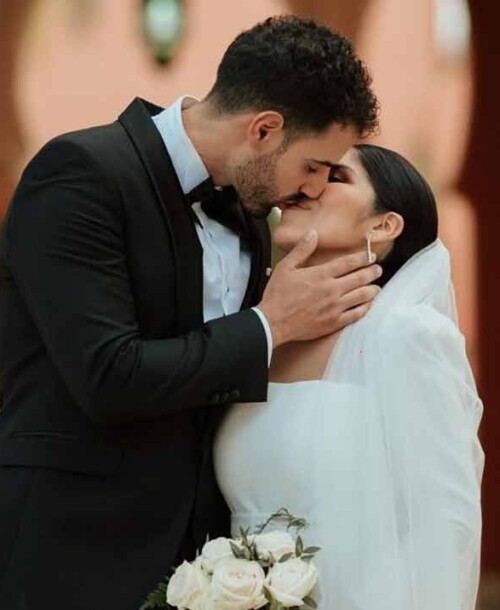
(303, 250)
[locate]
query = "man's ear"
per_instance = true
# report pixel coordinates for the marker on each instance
(265, 127)
(389, 228)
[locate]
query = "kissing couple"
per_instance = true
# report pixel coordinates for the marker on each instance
(161, 385)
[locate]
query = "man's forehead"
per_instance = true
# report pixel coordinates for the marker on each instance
(329, 144)
(321, 149)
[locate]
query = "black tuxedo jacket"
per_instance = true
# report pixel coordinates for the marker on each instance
(111, 384)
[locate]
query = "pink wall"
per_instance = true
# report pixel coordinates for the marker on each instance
(426, 99)
(74, 74)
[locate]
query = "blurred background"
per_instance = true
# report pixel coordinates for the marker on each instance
(68, 64)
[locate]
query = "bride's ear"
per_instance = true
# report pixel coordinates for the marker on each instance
(389, 227)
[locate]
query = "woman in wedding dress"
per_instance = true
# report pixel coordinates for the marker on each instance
(371, 434)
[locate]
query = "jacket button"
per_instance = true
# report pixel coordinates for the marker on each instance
(235, 395)
(225, 397)
(215, 399)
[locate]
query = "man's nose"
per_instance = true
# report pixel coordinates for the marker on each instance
(316, 183)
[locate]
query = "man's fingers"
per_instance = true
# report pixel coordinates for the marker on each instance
(302, 251)
(357, 279)
(347, 264)
(360, 296)
(353, 315)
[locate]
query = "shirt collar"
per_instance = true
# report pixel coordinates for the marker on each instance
(187, 163)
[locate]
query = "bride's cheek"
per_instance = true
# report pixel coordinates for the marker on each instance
(278, 235)
(285, 237)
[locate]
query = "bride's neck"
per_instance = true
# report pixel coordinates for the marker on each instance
(321, 257)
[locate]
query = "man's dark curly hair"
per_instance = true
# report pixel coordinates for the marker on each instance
(301, 69)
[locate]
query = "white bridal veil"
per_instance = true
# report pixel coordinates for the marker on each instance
(401, 530)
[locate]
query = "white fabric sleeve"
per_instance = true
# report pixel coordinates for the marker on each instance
(269, 334)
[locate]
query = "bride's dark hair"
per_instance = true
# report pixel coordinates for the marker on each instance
(400, 188)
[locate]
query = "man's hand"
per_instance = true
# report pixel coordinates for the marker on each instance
(306, 303)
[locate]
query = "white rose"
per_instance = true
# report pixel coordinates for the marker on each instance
(237, 584)
(188, 588)
(277, 543)
(289, 582)
(214, 551)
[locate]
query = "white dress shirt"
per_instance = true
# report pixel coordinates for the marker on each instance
(226, 263)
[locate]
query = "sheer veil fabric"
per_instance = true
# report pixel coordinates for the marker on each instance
(401, 523)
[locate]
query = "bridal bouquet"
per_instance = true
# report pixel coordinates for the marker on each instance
(269, 570)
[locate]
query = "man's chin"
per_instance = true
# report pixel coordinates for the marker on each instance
(258, 211)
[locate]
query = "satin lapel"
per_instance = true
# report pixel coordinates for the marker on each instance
(188, 253)
(260, 243)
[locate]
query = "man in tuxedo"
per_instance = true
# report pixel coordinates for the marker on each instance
(134, 309)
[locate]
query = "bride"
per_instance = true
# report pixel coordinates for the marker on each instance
(371, 433)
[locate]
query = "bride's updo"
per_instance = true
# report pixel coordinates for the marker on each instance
(400, 188)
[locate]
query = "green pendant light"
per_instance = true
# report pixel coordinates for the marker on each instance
(163, 25)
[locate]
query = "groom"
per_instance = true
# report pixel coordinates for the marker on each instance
(128, 278)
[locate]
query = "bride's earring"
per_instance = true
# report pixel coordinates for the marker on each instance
(369, 252)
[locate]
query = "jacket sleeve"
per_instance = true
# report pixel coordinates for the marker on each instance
(65, 245)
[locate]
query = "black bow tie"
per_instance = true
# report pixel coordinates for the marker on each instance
(221, 205)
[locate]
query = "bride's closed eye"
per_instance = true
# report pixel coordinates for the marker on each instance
(337, 175)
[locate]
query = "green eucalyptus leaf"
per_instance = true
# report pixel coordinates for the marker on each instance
(267, 594)
(286, 557)
(244, 531)
(157, 599)
(237, 551)
(247, 554)
(299, 546)
(310, 602)
(253, 551)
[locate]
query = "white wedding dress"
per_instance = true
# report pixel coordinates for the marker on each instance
(381, 456)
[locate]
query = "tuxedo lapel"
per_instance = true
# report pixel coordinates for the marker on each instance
(177, 213)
